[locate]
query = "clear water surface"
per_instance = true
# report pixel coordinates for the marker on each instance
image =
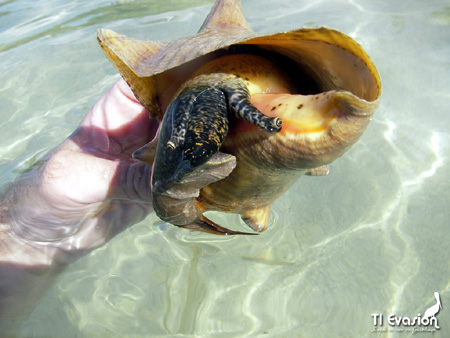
(372, 237)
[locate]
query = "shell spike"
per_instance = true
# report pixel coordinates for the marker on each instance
(318, 171)
(226, 15)
(130, 51)
(126, 55)
(257, 219)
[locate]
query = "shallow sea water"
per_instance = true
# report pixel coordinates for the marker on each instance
(372, 237)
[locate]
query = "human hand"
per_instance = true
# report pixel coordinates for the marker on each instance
(90, 188)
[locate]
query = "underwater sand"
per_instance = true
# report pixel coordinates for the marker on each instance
(370, 238)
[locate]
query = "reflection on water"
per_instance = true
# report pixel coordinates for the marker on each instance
(65, 18)
(372, 237)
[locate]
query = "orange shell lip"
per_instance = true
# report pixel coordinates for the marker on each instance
(301, 114)
(300, 127)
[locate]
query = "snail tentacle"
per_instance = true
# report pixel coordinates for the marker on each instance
(239, 100)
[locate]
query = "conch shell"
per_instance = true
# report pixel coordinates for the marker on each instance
(333, 90)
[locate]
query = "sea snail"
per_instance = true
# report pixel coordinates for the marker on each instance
(243, 116)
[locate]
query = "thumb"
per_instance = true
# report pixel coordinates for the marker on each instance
(132, 181)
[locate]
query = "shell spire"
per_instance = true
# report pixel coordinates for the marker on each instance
(226, 15)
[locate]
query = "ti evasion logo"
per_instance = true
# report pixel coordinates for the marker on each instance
(426, 323)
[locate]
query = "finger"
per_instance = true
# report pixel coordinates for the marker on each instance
(132, 181)
(121, 118)
(81, 181)
(75, 181)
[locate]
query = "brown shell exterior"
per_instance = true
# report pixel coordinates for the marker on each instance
(144, 64)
